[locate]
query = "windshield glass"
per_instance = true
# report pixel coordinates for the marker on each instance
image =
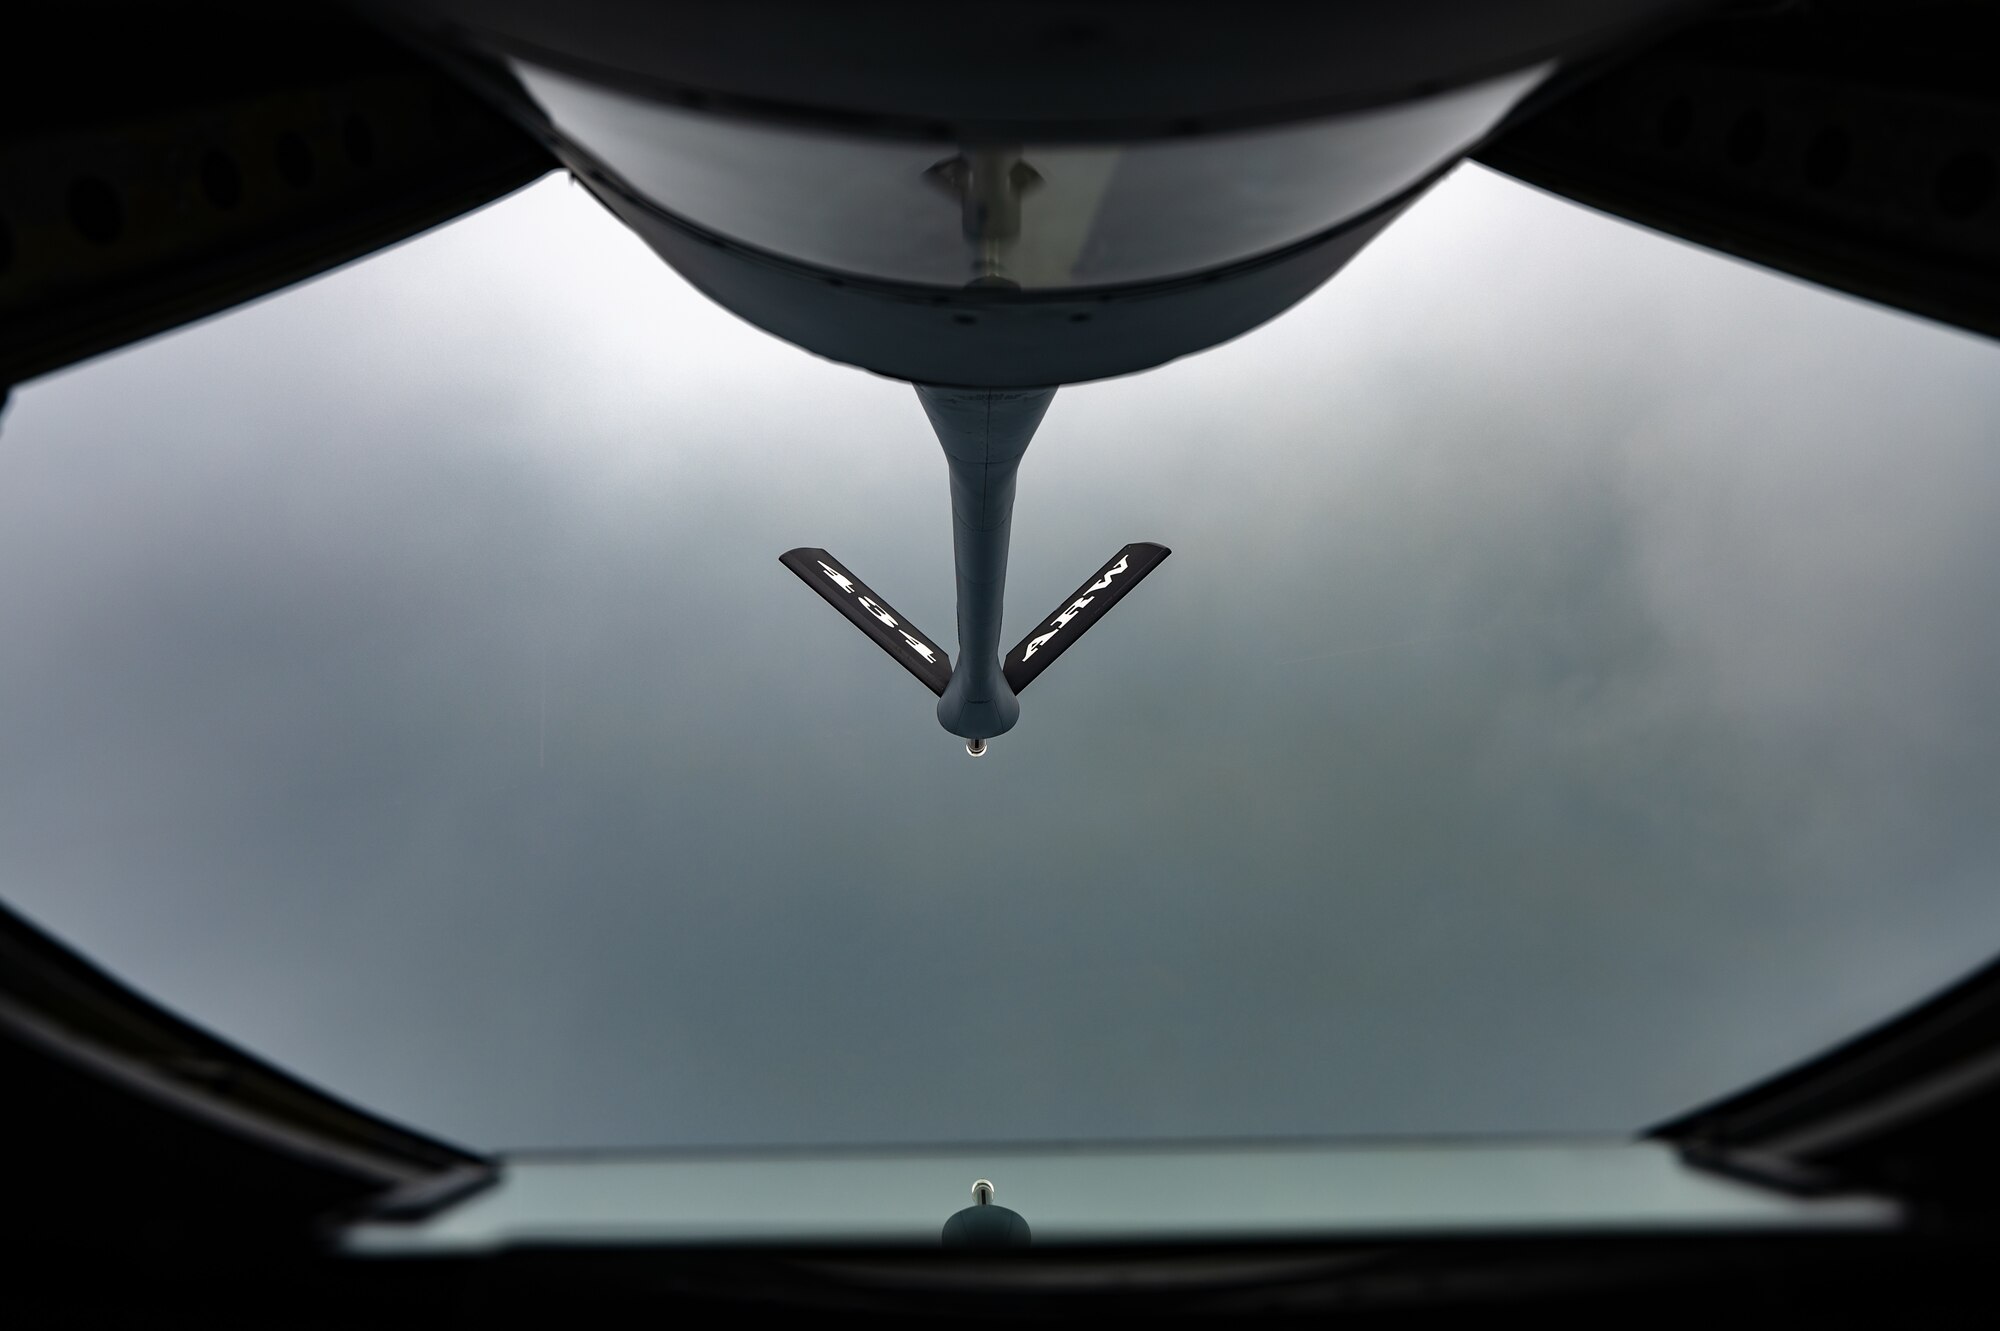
(1572, 696)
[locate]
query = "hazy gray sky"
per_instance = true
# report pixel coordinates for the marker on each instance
(1575, 693)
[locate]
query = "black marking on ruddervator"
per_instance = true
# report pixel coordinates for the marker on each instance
(910, 645)
(1073, 618)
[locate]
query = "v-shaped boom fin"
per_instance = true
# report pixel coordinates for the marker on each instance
(1054, 635)
(912, 648)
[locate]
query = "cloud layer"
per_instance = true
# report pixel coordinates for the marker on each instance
(1573, 694)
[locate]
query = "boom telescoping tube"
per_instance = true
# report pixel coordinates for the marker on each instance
(984, 433)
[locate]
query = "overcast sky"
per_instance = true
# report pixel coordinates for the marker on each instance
(1575, 693)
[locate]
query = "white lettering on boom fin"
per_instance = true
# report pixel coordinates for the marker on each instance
(1110, 573)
